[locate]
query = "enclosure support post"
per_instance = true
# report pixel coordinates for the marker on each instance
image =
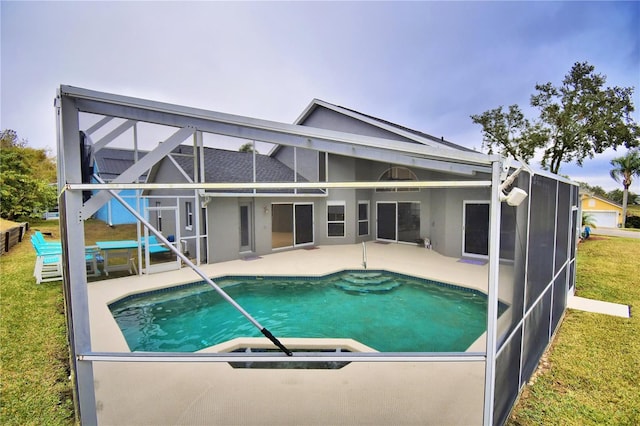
(492, 302)
(74, 268)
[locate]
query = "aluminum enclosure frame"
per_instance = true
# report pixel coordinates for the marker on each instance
(71, 101)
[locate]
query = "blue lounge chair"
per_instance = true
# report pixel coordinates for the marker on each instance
(48, 265)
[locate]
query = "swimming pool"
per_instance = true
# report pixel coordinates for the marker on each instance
(387, 311)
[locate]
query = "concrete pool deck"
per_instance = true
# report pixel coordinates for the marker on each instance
(359, 393)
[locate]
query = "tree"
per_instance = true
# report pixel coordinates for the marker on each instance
(27, 178)
(581, 119)
(595, 190)
(247, 147)
(625, 168)
(508, 132)
(577, 120)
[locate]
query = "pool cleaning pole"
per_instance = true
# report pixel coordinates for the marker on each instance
(197, 270)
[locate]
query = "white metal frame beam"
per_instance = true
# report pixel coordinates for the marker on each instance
(282, 185)
(446, 160)
(105, 140)
(136, 170)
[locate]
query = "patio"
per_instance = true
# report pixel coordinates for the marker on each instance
(360, 393)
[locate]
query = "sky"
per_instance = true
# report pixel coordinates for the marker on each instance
(424, 65)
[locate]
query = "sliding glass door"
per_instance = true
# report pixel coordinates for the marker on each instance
(398, 221)
(291, 224)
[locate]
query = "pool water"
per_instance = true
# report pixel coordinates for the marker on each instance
(386, 311)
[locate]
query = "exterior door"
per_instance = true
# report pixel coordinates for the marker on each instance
(303, 218)
(291, 224)
(386, 221)
(475, 229)
(398, 221)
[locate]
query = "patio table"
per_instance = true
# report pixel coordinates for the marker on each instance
(118, 250)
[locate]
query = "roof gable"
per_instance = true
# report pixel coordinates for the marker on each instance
(586, 196)
(402, 131)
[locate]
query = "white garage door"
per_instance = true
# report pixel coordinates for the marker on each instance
(605, 219)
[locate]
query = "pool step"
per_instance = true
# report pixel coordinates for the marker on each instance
(363, 282)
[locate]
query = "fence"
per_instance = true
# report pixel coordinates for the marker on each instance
(12, 236)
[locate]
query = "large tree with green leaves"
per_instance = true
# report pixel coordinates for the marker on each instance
(508, 133)
(624, 169)
(577, 119)
(27, 178)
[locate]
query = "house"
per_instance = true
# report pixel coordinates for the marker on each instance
(173, 212)
(334, 177)
(109, 163)
(605, 213)
(257, 223)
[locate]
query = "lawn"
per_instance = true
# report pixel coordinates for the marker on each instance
(590, 375)
(592, 369)
(33, 346)
(35, 386)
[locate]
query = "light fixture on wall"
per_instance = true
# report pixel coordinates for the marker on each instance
(266, 209)
(516, 196)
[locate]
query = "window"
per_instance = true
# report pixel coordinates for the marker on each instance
(188, 218)
(322, 167)
(363, 218)
(335, 219)
(401, 174)
(158, 217)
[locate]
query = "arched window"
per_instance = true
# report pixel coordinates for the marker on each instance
(396, 173)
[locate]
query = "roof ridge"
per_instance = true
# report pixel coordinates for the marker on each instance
(419, 133)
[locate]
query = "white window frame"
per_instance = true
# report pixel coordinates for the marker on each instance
(343, 204)
(367, 220)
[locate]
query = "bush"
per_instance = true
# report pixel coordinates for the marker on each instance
(633, 222)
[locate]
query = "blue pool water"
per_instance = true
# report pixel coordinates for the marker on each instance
(386, 311)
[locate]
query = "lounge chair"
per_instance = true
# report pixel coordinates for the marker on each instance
(48, 265)
(155, 246)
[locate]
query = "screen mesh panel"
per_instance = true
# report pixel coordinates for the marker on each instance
(559, 298)
(541, 236)
(507, 382)
(562, 225)
(536, 336)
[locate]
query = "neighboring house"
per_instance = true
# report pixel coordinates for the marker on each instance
(109, 163)
(605, 213)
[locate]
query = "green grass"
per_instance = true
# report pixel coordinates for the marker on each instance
(35, 388)
(35, 385)
(590, 374)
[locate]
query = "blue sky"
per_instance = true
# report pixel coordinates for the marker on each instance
(424, 65)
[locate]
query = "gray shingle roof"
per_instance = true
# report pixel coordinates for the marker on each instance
(111, 162)
(232, 166)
